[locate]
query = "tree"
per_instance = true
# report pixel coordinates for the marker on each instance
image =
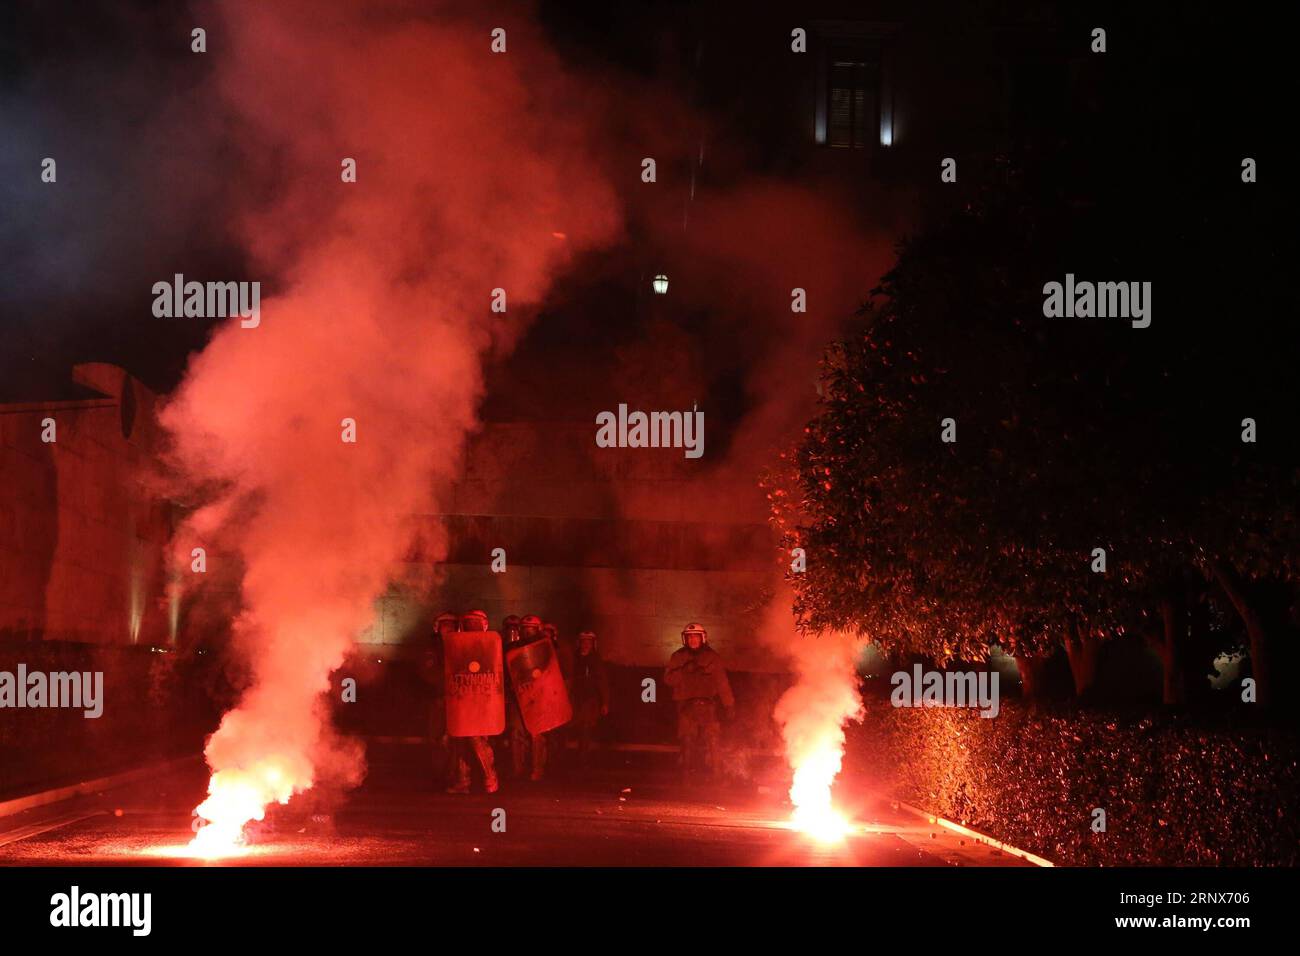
(1077, 441)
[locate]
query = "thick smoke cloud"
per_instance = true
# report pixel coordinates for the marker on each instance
(813, 712)
(748, 246)
(468, 164)
(225, 165)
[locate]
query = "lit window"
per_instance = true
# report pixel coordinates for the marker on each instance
(853, 100)
(854, 105)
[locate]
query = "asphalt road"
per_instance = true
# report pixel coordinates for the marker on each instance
(629, 813)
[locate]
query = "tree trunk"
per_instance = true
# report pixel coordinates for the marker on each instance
(1261, 651)
(1032, 676)
(1198, 661)
(1169, 647)
(1083, 651)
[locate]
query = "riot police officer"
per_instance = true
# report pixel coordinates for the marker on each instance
(480, 747)
(430, 671)
(589, 691)
(699, 683)
(523, 744)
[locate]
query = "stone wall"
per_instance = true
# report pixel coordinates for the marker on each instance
(81, 541)
(631, 543)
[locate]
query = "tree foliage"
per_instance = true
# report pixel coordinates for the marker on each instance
(1071, 434)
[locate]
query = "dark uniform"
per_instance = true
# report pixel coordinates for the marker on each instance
(429, 667)
(525, 745)
(589, 691)
(699, 683)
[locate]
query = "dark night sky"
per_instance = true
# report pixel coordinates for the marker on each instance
(148, 180)
(146, 185)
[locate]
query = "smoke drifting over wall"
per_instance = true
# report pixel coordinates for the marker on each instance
(747, 248)
(733, 343)
(475, 171)
(468, 163)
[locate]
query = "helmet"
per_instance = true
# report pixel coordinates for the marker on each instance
(694, 628)
(551, 631)
(510, 629)
(587, 636)
(530, 621)
(474, 621)
(445, 621)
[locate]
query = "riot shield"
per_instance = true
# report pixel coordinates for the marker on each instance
(539, 686)
(476, 698)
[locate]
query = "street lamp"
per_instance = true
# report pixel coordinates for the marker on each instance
(660, 284)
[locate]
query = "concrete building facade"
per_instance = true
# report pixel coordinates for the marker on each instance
(81, 538)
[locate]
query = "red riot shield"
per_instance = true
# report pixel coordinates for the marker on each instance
(476, 697)
(539, 686)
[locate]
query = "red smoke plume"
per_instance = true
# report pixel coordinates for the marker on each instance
(468, 163)
(812, 715)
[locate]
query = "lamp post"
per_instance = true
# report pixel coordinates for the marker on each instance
(660, 284)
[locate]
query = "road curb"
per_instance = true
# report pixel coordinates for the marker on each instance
(976, 835)
(58, 794)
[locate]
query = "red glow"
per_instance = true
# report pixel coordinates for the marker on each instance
(379, 321)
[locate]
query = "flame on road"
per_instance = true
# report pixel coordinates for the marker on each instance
(814, 814)
(235, 798)
(812, 715)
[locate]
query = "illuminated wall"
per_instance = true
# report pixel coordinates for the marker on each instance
(81, 543)
(631, 543)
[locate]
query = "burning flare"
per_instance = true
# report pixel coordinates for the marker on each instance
(314, 440)
(810, 793)
(236, 797)
(812, 715)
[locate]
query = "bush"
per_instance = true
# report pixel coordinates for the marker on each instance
(1177, 790)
